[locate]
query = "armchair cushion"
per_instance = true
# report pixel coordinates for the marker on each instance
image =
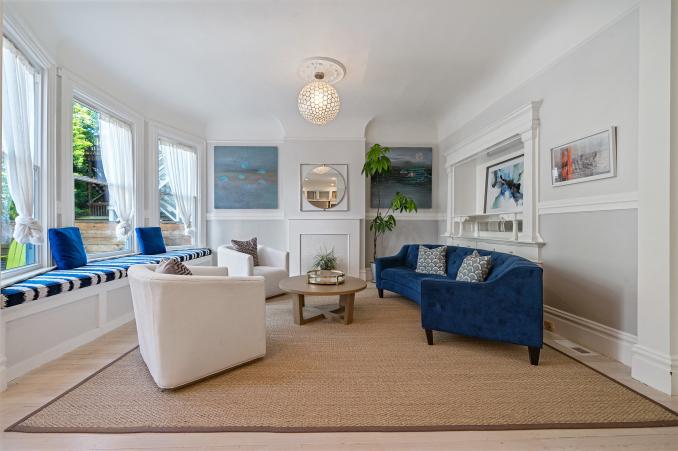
(67, 248)
(150, 240)
(248, 247)
(173, 266)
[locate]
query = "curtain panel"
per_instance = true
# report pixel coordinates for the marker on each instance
(181, 168)
(18, 140)
(117, 159)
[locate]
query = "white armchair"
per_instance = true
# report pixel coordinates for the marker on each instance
(191, 327)
(274, 265)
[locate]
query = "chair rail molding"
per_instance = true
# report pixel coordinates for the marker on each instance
(519, 128)
(614, 201)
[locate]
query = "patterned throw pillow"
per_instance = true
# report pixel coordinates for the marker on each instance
(173, 266)
(431, 261)
(248, 247)
(474, 268)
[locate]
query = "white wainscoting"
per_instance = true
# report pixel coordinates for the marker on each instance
(307, 236)
(36, 332)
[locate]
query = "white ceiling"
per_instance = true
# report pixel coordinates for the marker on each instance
(209, 64)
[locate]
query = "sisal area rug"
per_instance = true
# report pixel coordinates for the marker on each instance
(377, 374)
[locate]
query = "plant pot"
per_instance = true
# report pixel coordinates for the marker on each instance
(374, 271)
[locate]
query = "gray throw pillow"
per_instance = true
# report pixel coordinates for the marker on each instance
(173, 266)
(474, 268)
(248, 247)
(431, 261)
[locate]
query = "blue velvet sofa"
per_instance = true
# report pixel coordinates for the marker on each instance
(506, 307)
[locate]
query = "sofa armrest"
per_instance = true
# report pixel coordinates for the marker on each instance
(508, 309)
(238, 263)
(382, 263)
(269, 256)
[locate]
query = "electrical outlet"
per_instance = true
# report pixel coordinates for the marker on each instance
(548, 325)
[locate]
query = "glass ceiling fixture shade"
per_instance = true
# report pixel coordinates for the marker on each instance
(318, 100)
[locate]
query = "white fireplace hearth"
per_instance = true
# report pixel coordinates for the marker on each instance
(308, 237)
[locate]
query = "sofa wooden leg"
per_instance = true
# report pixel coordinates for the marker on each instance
(429, 336)
(381, 292)
(534, 354)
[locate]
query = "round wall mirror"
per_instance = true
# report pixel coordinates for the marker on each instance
(323, 186)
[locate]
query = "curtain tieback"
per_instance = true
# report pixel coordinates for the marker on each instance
(123, 230)
(27, 229)
(188, 229)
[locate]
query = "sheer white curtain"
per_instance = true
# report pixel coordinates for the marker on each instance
(181, 168)
(18, 140)
(117, 161)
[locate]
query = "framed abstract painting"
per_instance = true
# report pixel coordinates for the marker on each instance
(593, 157)
(504, 186)
(245, 177)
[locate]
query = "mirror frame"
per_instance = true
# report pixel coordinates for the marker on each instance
(305, 205)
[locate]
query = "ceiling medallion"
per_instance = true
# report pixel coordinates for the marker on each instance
(318, 101)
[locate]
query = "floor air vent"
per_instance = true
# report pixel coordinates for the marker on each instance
(579, 349)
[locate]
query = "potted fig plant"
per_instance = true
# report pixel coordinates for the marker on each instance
(377, 165)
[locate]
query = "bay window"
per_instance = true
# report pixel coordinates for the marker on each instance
(22, 232)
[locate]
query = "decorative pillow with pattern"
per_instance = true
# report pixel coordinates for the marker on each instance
(431, 261)
(474, 268)
(173, 266)
(248, 247)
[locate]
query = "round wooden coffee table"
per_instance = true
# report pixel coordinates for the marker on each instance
(301, 288)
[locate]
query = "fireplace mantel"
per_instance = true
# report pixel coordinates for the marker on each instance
(514, 135)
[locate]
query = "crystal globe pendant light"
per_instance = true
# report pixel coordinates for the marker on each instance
(318, 100)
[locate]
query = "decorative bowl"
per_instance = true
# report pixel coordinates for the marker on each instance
(325, 277)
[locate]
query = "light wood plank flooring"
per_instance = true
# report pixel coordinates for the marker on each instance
(36, 388)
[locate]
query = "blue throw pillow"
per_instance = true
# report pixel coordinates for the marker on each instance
(150, 240)
(67, 248)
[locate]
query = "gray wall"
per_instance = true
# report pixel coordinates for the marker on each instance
(590, 259)
(591, 264)
(406, 232)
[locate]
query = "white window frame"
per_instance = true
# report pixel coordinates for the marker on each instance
(45, 141)
(75, 89)
(157, 131)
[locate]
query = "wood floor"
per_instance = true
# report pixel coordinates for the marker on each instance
(36, 388)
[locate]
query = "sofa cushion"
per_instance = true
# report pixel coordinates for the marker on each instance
(150, 240)
(474, 268)
(431, 261)
(94, 273)
(402, 275)
(67, 248)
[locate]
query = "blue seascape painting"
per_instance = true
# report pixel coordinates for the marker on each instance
(411, 174)
(245, 177)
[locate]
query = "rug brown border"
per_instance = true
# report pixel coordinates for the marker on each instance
(16, 427)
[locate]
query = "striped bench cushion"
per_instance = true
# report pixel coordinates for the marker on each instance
(60, 281)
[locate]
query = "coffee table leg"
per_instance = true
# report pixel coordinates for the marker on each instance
(298, 306)
(346, 301)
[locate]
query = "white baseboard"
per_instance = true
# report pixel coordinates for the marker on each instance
(605, 340)
(658, 370)
(62, 348)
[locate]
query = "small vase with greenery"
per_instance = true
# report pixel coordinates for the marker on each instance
(325, 260)
(377, 165)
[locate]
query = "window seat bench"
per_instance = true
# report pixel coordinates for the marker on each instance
(94, 273)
